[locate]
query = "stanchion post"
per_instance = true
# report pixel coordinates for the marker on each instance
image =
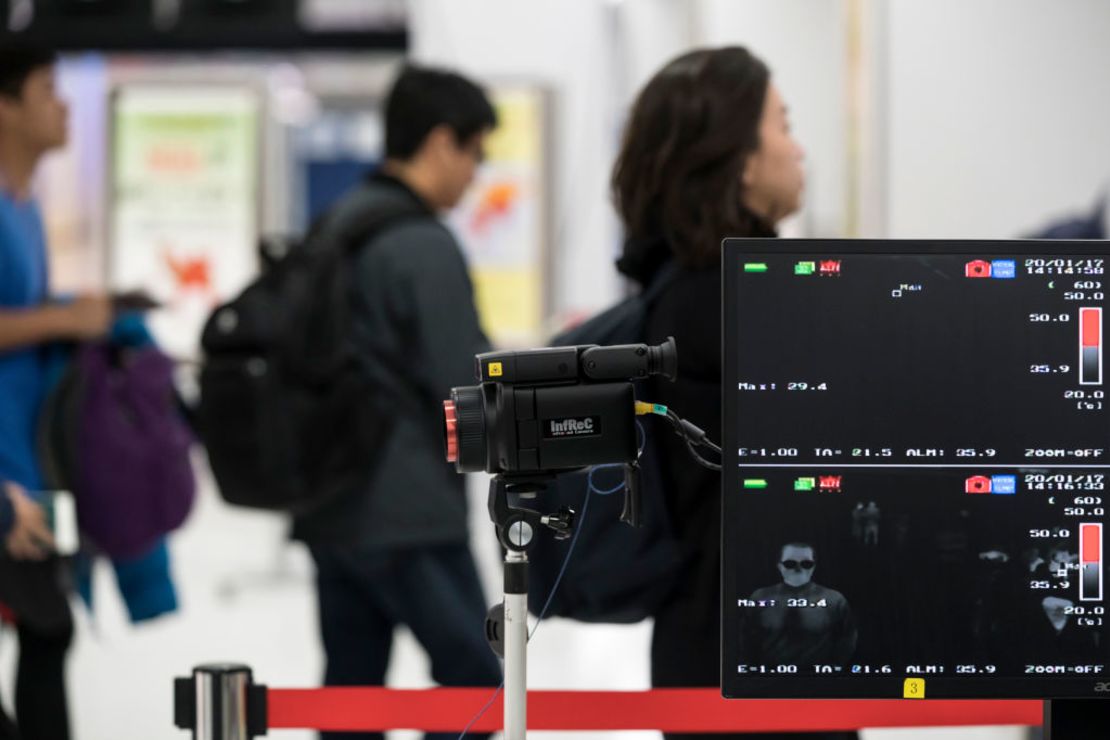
(220, 702)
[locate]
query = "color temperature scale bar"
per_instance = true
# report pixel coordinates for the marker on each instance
(1090, 346)
(1090, 562)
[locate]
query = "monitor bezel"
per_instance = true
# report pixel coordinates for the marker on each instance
(885, 686)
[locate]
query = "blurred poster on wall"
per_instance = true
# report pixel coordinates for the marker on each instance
(184, 210)
(503, 221)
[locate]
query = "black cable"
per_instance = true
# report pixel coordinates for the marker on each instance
(708, 464)
(694, 436)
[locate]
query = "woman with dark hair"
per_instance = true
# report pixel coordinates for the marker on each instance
(707, 154)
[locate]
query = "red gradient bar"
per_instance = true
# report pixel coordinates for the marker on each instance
(1090, 323)
(1090, 346)
(671, 710)
(1090, 562)
(1091, 536)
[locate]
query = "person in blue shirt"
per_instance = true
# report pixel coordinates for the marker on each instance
(32, 123)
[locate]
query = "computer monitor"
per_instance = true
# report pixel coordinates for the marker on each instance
(916, 456)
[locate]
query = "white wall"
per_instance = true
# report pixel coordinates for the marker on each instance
(999, 114)
(650, 33)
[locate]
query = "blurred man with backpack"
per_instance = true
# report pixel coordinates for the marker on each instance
(32, 123)
(394, 551)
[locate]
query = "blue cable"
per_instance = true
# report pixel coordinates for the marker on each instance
(590, 488)
(484, 709)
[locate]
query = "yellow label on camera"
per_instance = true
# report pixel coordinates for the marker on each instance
(914, 688)
(495, 370)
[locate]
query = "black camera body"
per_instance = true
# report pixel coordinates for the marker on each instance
(546, 411)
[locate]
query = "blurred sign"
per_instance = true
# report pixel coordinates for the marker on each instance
(184, 209)
(503, 221)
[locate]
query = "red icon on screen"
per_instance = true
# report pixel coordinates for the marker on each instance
(977, 484)
(829, 267)
(977, 269)
(829, 482)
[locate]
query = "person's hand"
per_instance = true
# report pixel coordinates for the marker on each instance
(88, 317)
(30, 537)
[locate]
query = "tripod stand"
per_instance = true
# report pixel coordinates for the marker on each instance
(517, 529)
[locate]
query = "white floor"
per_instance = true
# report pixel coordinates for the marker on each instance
(246, 597)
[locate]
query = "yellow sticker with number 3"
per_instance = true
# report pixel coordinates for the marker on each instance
(914, 688)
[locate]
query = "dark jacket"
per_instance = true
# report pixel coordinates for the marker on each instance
(418, 331)
(689, 309)
(685, 644)
(685, 647)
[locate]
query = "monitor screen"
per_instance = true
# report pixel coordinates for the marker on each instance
(917, 449)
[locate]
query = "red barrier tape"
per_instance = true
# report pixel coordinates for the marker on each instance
(672, 710)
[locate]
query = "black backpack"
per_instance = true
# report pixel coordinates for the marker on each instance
(617, 574)
(288, 415)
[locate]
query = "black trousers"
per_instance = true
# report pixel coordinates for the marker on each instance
(434, 591)
(41, 709)
(685, 652)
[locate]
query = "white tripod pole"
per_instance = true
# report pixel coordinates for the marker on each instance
(516, 645)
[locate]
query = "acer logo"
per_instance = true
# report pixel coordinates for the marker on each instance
(1103, 687)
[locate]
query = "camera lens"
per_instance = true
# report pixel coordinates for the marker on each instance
(451, 431)
(465, 429)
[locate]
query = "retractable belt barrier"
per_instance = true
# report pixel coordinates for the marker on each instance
(220, 702)
(671, 710)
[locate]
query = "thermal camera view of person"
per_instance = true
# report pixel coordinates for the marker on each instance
(798, 621)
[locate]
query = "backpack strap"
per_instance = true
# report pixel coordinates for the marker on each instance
(371, 220)
(359, 232)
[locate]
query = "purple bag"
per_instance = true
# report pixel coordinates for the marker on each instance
(131, 474)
